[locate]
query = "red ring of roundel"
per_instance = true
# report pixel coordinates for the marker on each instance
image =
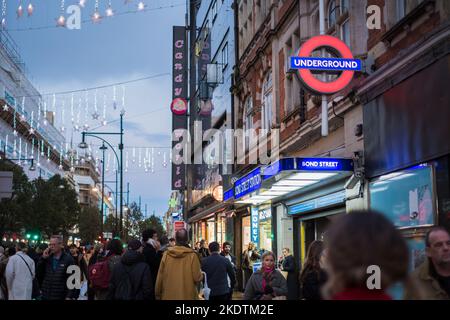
(306, 75)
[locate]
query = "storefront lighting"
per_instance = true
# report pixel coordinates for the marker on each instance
(297, 183)
(310, 176)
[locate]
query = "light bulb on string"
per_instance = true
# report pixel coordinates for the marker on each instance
(20, 10)
(141, 5)
(96, 17)
(61, 21)
(4, 7)
(109, 11)
(82, 3)
(30, 9)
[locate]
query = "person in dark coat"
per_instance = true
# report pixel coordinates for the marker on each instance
(288, 265)
(150, 251)
(131, 277)
(226, 252)
(218, 270)
(52, 272)
(313, 276)
(203, 251)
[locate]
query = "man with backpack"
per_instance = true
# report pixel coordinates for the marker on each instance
(100, 272)
(131, 278)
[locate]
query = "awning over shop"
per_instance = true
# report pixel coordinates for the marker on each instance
(287, 176)
(210, 211)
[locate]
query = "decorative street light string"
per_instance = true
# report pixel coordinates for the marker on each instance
(98, 87)
(62, 23)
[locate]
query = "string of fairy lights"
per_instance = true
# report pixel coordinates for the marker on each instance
(102, 9)
(71, 112)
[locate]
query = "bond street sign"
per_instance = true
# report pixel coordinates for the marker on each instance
(305, 63)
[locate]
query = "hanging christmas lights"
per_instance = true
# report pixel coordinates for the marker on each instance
(61, 21)
(109, 10)
(96, 17)
(30, 9)
(20, 9)
(4, 14)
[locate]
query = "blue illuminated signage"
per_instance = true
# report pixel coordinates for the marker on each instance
(228, 194)
(277, 167)
(324, 164)
(255, 226)
(325, 64)
(247, 184)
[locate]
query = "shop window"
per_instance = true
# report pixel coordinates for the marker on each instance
(405, 197)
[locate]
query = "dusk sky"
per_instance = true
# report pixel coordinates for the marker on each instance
(122, 48)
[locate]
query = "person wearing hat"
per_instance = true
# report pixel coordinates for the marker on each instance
(131, 277)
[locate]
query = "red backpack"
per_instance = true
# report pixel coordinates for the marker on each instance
(99, 274)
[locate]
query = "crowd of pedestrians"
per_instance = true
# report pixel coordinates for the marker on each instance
(160, 268)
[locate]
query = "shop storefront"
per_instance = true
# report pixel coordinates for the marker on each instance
(311, 190)
(407, 146)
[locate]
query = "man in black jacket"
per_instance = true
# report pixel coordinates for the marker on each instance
(131, 277)
(218, 270)
(226, 252)
(150, 251)
(52, 272)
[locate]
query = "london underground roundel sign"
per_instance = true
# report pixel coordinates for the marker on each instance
(179, 106)
(305, 63)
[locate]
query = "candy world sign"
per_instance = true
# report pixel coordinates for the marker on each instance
(345, 64)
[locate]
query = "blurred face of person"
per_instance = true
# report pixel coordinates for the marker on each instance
(172, 243)
(55, 246)
(285, 252)
(268, 262)
(227, 249)
(155, 237)
(73, 251)
(141, 248)
(439, 249)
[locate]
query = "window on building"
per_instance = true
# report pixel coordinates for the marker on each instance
(267, 102)
(337, 9)
(248, 119)
(214, 11)
(225, 56)
(403, 7)
(333, 10)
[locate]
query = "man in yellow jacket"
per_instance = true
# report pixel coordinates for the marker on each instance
(179, 271)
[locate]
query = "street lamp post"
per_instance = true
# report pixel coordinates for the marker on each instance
(103, 148)
(83, 145)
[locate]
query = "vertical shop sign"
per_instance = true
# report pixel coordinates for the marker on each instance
(179, 106)
(255, 226)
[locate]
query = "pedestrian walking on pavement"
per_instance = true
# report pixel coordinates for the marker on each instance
(151, 247)
(267, 283)
(104, 267)
(288, 266)
(220, 274)
(9, 252)
(203, 250)
(98, 248)
(79, 260)
(131, 277)
(357, 241)
(2, 254)
(19, 274)
(313, 276)
(249, 257)
(226, 252)
(431, 280)
(179, 271)
(52, 272)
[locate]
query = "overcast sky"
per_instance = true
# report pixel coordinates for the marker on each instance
(117, 49)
